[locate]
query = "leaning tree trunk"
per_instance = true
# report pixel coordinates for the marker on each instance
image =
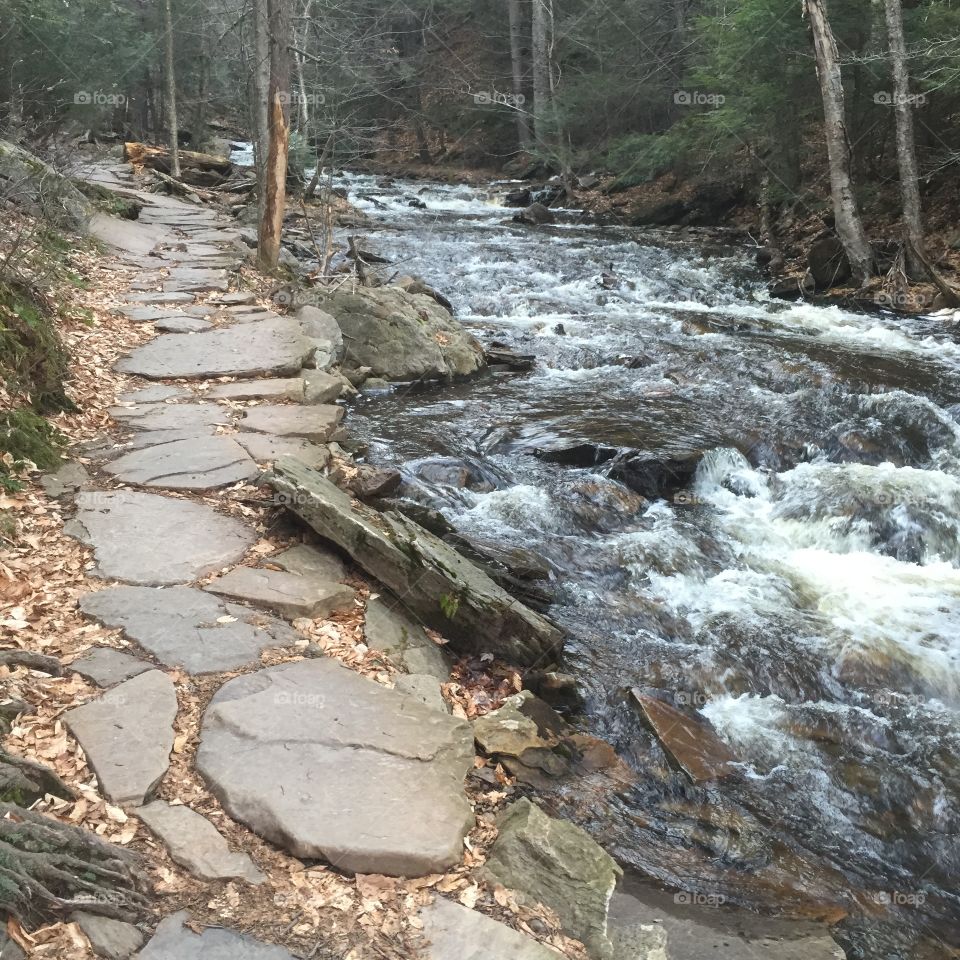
(906, 150)
(171, 91)
(275, 178)
(541, 71)
(845, 208)
(261, 95)
(516, 62)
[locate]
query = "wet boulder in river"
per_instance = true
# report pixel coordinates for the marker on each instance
(401, 336)
(535, 215)
(828, 263)
(656, 475)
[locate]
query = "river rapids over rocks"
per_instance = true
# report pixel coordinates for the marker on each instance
(796, 579)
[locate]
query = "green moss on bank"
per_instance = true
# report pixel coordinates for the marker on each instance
(33, 366)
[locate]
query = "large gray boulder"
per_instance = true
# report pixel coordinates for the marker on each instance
(36, 187)
(402, 336)
(442, 588)
(558, 864)
(339, 768)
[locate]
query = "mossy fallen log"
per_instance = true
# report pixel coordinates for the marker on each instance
(445, 590)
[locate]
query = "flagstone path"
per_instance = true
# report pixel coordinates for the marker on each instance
(308, 754)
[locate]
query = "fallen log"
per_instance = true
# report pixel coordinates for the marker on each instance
(158, 158)
(440, 586)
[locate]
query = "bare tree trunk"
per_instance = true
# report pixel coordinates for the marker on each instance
(516, 62)
(171, 92)
(275, 177)
(541, 70)
(299, 60)
(906, 149)
(261, 94)
(845, 208)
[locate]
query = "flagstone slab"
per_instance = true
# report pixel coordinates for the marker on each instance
(107, 667)
(266, 348)
(320, 387)
(288, 594)
(155, 393)
(340, 768)
(110, 939)
(127, 735)
(287, 388)
(150, 539)
(159, 296)
(316, 423)
(455, 932)
(175, 941)
(239, 298)
(183, 325)
(188, 628)
(148, 314)
(153, 438)
(196, 844)
(310, 562)
(171, 416)
(200, 463)
(266, 449)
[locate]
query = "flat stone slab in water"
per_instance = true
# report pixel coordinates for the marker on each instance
(174, 941)
(267, 348)
(127, 735)
(337, 767)
(690, 740)
(183, 325)
(454, 932)
(185, 627)
(289, 388)
(150, 539)
(266, 449)
(195, 843)
(107, 667)
(200, 463)
(317, 423)
(287, 593)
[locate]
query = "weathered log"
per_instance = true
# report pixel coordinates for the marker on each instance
(158, 158)
(444, 589)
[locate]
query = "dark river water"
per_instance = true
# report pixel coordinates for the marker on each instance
(802, 590)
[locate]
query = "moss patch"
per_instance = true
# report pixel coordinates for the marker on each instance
(33, 366)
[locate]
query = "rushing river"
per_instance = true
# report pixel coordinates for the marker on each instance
(802, 590)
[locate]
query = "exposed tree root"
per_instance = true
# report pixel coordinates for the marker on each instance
(49, 869)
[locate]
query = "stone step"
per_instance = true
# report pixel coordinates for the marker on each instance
(339, 768)
(188, 628)
(289, 594)
(195, 844)
(127, 735)
(148, 539)
(200, 463)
